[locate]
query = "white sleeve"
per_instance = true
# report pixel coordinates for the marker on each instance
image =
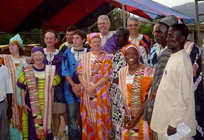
(9, 88)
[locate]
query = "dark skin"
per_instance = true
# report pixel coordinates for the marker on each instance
(175, 42)
(160, 32)
(122, 38)
(132, 59)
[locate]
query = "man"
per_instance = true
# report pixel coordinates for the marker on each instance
(135, 37)
(103, 23)
(173, 115)
(6, 91)
(160, 34)
(68, 36)
(159, 57)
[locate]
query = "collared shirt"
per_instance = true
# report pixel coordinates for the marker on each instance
(6, 83)
(174, 103)
(155, 52)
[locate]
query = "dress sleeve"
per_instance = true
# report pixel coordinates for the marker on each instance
(21, 82)
(57, 80)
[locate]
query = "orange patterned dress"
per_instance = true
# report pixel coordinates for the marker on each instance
(134, 89)
(95, 110)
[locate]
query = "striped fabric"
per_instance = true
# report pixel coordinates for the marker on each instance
(133, 96)
(43, 97)
(95, 111)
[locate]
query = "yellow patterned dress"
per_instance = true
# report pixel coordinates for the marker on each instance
(134, 90)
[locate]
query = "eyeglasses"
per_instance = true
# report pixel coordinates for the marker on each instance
(132, 25)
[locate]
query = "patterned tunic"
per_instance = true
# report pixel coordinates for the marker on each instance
(116, 98)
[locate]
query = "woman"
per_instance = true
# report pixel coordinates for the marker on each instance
(94, 73)
(71, 59)
(14, 62)
(114, 46)
(36, 82)
(134, 82)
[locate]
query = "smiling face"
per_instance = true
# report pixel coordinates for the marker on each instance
(38, 57)
(95, 44)
(14, 48)
(132, 56)
(103, 25)
(133, 26)
(50, 39)
(77, 40)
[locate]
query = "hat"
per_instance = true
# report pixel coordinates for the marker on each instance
(17, 38)
(92, 35)
(169, 20)
(36, 49)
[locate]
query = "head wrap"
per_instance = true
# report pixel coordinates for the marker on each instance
(124, 49)
(17, 38)
(92, 36)
(37, 49)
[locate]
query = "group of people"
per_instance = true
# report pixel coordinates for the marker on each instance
(108, 85)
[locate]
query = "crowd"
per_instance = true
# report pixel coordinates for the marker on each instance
(107, 85)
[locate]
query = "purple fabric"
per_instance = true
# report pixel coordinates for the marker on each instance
(36, 49)
(110, 46)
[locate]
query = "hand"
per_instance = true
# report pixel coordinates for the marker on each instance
(195, 68)
(130, 124)
(9, 113)
(76, 88)
(29, 60)
(26, 108)
(91, 90)
(171, 130)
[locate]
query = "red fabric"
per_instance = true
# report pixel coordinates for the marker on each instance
(78, 9)
(13, 12)
(132, 10)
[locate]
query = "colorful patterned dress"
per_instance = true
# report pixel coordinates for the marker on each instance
(134, 90)
(15, 66)
(95, 110)
(39, 97)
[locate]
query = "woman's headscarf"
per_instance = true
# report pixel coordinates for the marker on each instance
(16, 40)
(91, 36)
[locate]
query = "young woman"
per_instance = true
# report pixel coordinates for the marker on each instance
(14, 62)
(37, 81)
(134, 82)
(94, 73)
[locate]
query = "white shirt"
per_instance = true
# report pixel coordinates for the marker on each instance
(78, 54)
(6, 83)
(50, 55)
(174, 103)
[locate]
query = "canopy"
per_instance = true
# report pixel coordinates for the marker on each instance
(23, 15)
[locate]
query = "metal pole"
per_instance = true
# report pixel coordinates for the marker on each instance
(197, 23)
(124, 15)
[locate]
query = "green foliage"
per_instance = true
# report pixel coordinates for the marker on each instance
(146, 29)
(4, 38)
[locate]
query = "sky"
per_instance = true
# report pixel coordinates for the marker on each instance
(171, 3)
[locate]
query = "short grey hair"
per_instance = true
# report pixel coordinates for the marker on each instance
(131, 18)
(104, 17)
